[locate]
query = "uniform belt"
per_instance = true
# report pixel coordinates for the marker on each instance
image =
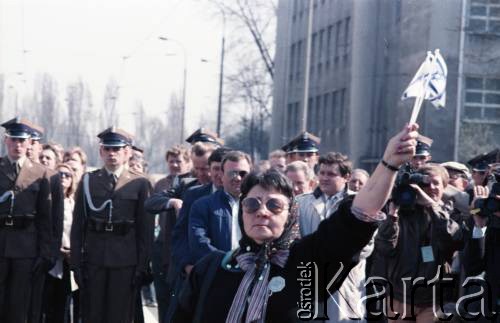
(16, 221)
(118, 227)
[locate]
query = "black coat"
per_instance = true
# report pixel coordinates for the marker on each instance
(335, 244)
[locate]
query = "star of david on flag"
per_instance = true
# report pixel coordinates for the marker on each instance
(429, 83)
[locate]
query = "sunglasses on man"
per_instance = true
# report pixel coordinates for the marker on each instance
(235, 173)
(253, 204)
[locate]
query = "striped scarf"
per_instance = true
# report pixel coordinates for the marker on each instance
(255, 282)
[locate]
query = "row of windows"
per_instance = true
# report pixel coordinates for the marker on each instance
(325, 112)
(482, 100)
(327, 44)
(300, 7)
(484, 16)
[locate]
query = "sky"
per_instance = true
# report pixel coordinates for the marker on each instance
(98, 39)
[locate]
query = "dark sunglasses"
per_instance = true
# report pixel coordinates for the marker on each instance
(236, 173)
(252, 205)
(65, 175)
(111, 148)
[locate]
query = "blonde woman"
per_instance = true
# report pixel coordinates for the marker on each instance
(58, 284)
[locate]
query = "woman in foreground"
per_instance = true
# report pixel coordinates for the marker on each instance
(275, 277)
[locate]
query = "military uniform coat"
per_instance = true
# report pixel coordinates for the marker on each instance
(29, 238)
(110, 249)
(32, 197)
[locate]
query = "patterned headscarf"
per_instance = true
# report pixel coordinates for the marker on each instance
(256, 259)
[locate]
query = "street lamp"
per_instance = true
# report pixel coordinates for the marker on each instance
(184, 53)
(221, 76)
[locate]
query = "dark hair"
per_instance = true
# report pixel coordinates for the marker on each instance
(217, 155)
(332, 158)
(270, 179)
(235, 156)
(52, 147)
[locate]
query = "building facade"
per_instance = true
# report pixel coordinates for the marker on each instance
(363, 55)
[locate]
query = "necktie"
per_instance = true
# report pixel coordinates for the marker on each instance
(330, 202)
(15, 167)
(113, 180)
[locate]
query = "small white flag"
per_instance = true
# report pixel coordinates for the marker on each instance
(429, 82)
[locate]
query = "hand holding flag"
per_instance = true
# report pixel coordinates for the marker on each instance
(429, 83)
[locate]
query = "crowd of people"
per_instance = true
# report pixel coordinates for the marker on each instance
(224, 238)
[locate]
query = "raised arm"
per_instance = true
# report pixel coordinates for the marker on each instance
(377, 190)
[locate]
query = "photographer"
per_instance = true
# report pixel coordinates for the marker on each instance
(417, 239)
(482, 250)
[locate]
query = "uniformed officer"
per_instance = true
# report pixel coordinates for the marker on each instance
(205, 135)
(25, 223)
(57, 213)
(35, 149)
(422, 153)
(304, 147)
(480, 166)
(112, 234)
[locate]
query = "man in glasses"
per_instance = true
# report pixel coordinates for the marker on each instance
(111, 234)
(304, 147)
(213, 220)
(25, 222)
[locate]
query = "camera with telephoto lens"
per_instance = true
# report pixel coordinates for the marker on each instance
(405, 196)
(488, 206)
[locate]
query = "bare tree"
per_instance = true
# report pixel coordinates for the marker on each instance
(109, 115)
(259, 18)
(248, 87)
(174, 118)
(155, 134)
(43, 108)
(78, 103)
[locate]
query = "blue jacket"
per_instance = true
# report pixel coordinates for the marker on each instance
(180, 242)
(210, 225)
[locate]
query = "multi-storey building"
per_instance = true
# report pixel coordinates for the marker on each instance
(363, 55)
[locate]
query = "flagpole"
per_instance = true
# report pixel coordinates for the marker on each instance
(420, 99)
(416, 109)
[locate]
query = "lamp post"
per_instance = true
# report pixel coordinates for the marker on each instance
(221, 75)
(184, 82)
(305, 106)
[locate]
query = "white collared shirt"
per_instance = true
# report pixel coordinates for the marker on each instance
(117, 173)
(19, 162)
(235, 227)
